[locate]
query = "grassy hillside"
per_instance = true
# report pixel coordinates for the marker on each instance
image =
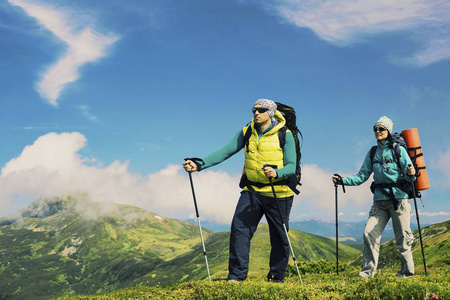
(72, 246)
(320, 280)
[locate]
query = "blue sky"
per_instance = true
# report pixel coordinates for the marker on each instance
(107, 98)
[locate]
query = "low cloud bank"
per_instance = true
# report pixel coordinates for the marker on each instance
(53, 167)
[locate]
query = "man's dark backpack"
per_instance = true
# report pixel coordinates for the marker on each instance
(404, 185)
(289, 114)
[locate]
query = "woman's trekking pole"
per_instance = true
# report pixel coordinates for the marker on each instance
(284, 226)
(418, 223)
(337, 248)
(198, 221)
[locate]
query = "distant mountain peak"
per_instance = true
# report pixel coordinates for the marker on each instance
(77, 206)
(318, 220)
(45, 207)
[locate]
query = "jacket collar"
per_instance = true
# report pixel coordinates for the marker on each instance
(278, 124)
(386, 145)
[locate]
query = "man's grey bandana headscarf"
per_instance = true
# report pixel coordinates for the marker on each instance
(268, 104)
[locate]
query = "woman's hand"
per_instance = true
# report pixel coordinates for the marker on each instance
(336, 179)
(410, 170)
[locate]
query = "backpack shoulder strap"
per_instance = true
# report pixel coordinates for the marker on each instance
(372, 152)
(396, 149)
(247, 135)
(282, 136)
(396, 154)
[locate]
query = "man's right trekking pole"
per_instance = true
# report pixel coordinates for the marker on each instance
(198, 220)
(284, 226)
(418, 223)
(337, 248)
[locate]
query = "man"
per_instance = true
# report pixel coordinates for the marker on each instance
(264, 159)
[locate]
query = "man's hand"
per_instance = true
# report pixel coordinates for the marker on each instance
(270, 172)
(190, 166)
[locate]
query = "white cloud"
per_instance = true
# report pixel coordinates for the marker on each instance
(53, 167)
(319, 194)
(84, 45)
(86, 113)
(434, 214)
(344, 22)
(436, 50)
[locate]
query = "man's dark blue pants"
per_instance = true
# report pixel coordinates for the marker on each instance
(249, 211)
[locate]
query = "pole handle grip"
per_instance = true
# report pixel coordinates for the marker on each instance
(411, 176)
(198, 161)
(272, 166)
(340, 178)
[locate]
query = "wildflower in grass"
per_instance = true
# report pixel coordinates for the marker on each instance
(435, 296)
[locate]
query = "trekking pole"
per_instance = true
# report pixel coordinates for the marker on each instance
(284, 226)
(198, 221)
(418, 223)
(336, 193)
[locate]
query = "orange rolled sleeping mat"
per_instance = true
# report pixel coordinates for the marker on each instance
(412, 140)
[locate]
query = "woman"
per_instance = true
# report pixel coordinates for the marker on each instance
(389, 200)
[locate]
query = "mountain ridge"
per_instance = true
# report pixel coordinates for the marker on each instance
(320, 227)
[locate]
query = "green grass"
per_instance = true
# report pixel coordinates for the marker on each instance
(385, 285)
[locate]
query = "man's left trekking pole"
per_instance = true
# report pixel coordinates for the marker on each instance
(284, 226)
(337, 231)
(195, 160)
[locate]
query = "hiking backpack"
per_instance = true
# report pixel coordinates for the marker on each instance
(290, 116)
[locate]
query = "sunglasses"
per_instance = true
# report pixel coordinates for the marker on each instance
(259, 109)
(380, 129)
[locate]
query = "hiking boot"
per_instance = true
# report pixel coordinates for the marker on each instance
(364, 275)
(405, 275)
(275, 281)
